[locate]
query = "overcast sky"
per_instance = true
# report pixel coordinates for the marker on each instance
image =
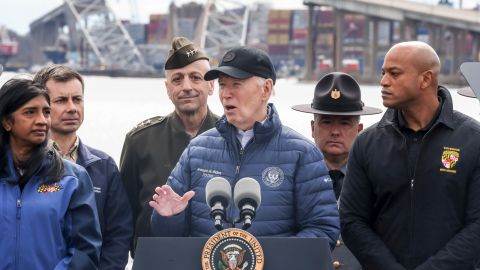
(17, 14)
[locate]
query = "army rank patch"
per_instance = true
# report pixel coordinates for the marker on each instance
(44, 188)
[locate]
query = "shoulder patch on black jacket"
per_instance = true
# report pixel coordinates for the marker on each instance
(146, 123)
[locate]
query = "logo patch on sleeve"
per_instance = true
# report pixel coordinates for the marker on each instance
(450, 157)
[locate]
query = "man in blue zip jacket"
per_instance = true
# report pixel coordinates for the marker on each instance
(249, 141)
(65, 87)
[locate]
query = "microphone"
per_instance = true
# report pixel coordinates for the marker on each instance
(218, 193)
(247, 197)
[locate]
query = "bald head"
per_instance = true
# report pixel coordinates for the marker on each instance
(421, 55)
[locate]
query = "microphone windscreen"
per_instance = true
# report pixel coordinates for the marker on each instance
(218, 189)
(247, 188)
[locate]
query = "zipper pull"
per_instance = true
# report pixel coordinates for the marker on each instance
(237, 170)
(412, 183)
(19, 206)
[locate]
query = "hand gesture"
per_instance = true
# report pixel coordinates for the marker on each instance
(168, 203)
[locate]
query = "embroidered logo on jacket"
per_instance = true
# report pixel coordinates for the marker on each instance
(273, 176)
(44, 188)
(209, 172)
(450, 157)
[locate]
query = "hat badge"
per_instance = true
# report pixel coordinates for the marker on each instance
(335, 94)
(229, 56)
(191, 52)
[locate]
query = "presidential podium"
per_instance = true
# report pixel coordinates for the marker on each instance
(184, 253)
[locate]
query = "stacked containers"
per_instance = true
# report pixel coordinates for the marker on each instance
(279, 36)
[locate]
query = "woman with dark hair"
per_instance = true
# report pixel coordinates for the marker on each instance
(48, 217)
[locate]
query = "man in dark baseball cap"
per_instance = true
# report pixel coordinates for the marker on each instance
(249, 140)
(152, 148)
(337, 106)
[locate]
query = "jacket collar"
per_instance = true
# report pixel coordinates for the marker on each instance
(261, 132)
(390, 118)
(85, 156)
(10, 176)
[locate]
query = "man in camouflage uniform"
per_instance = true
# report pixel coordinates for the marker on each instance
(152, 149)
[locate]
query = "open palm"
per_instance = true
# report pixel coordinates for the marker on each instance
(168, 203)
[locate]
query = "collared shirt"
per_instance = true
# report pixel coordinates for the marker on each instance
(337, 177)
(72, 153)
(245, 136)
(414, 138)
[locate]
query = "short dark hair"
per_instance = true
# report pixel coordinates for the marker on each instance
(59, 73)
(13, 95)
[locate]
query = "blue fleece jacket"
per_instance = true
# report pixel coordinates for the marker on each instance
(48, 226)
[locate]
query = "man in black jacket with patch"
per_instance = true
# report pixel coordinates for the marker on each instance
(410, 198)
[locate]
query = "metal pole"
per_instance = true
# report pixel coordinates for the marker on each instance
(309, 52)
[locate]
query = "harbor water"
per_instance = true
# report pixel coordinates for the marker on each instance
(114, 105)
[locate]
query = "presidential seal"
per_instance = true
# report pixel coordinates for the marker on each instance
(232, 249)
(273, 176)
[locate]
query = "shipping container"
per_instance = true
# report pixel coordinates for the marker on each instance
(278, 49)
(278, 39)
(279, 14)
(157, 29)
(137, 32)
(325, 18)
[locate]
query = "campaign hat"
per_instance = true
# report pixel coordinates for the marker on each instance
(337, 93)
(242, 63)
(183, 53)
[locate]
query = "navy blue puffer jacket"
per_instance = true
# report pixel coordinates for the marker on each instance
(297, 195)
